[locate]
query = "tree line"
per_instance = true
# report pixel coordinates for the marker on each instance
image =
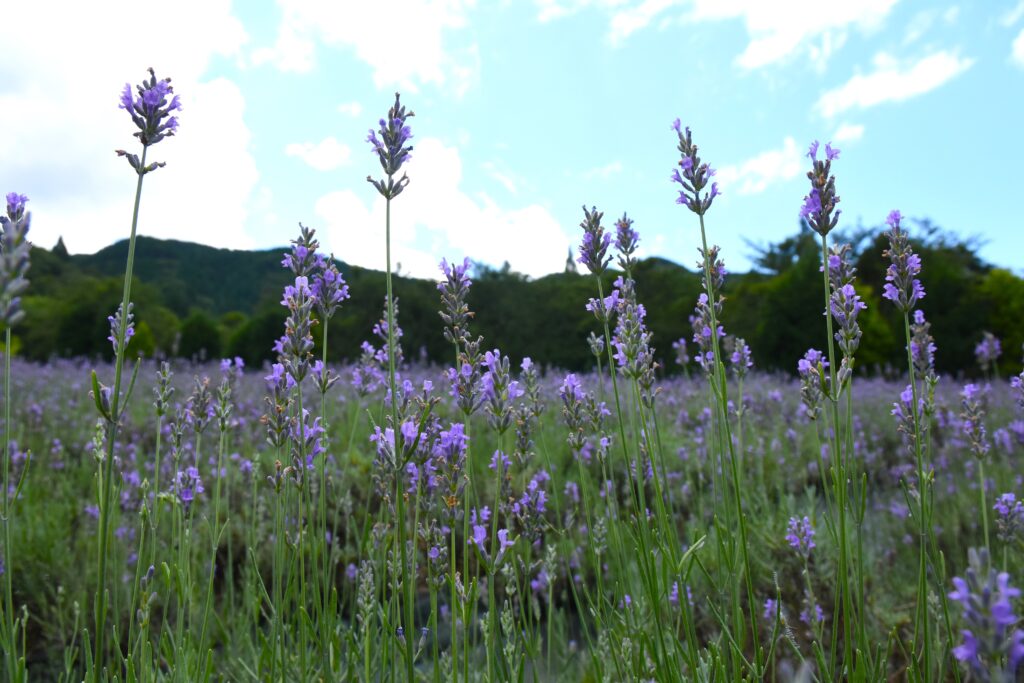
(195, 301)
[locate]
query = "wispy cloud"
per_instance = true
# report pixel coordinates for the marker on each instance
(326, 155)
(603, 172)
(777, 30)
(1012, 16)
(409, 53)
(350, 108)
(440, 218)
(848, 132)
(780, 30)
(891, 81)
(758, 173)
(79, 189)
(1017, 50)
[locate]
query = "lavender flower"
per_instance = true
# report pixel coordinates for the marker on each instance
(901, 284)
(922, 346)
(279, 385)
(632, 339)
(328, 287)
(992, 648)
(187, 485)
(596, 345)
(302, 259)
(903, 411)
(988, 351)
(151, 112)
(14, 258)
(499, 390)
(682, 356)
(702, 333)
(741, 358)
(296, 346)
(163, 389)
(122, 328)
(972, 424)
(695, 174)
(801, 535)
(626, 241)
(1009, 517)
(813, 381)
(454, 291)
(594, 247)
(820, 203)
(391, 149)
(1017, 386)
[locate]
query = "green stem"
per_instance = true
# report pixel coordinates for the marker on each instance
(838, 467)
(7, 606)
(108, 463)
(723, 403)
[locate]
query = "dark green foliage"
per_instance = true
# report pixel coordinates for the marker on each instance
(229, 301)
(200, 337)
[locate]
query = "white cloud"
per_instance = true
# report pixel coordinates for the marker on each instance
(352, 109)
(502, 177)
(777, 30)
(1017, 50)
(405, 52)
(627, 21)
(849, 132)
(1013, 16)
(782, 29)
(603, 172)
(891, 81)
(435, 217)
(758, 173)
(61, 122)
(326, 155)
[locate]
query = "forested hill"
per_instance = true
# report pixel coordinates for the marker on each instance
(192, 300)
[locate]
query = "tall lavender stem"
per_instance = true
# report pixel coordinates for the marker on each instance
(112, 431)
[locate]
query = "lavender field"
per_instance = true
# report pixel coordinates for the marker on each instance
(497, 519)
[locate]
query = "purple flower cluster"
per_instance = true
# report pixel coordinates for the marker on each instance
(819, 207)
(813, 381)
(499, 390)
(14, 258)
(582, 413)
(626, 241)
(328, 287)
(845, 305)
(279, 402)
(682, 355)
(800, 535)
(632, 340)
(901, 284)
(922, 346)
(692, 174)
(594, 247)
(971, 420)
(991, 648)
(1009, 517)
(151, 110)
(454, 291)
(296, 346)
(119, 321)
(187, 485)
(478, 522)
(389, 143)
(1017, 387)
(741, 359)
(987, 351)
(906, 424)
(702, 333)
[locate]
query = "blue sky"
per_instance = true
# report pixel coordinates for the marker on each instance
(525, 111)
